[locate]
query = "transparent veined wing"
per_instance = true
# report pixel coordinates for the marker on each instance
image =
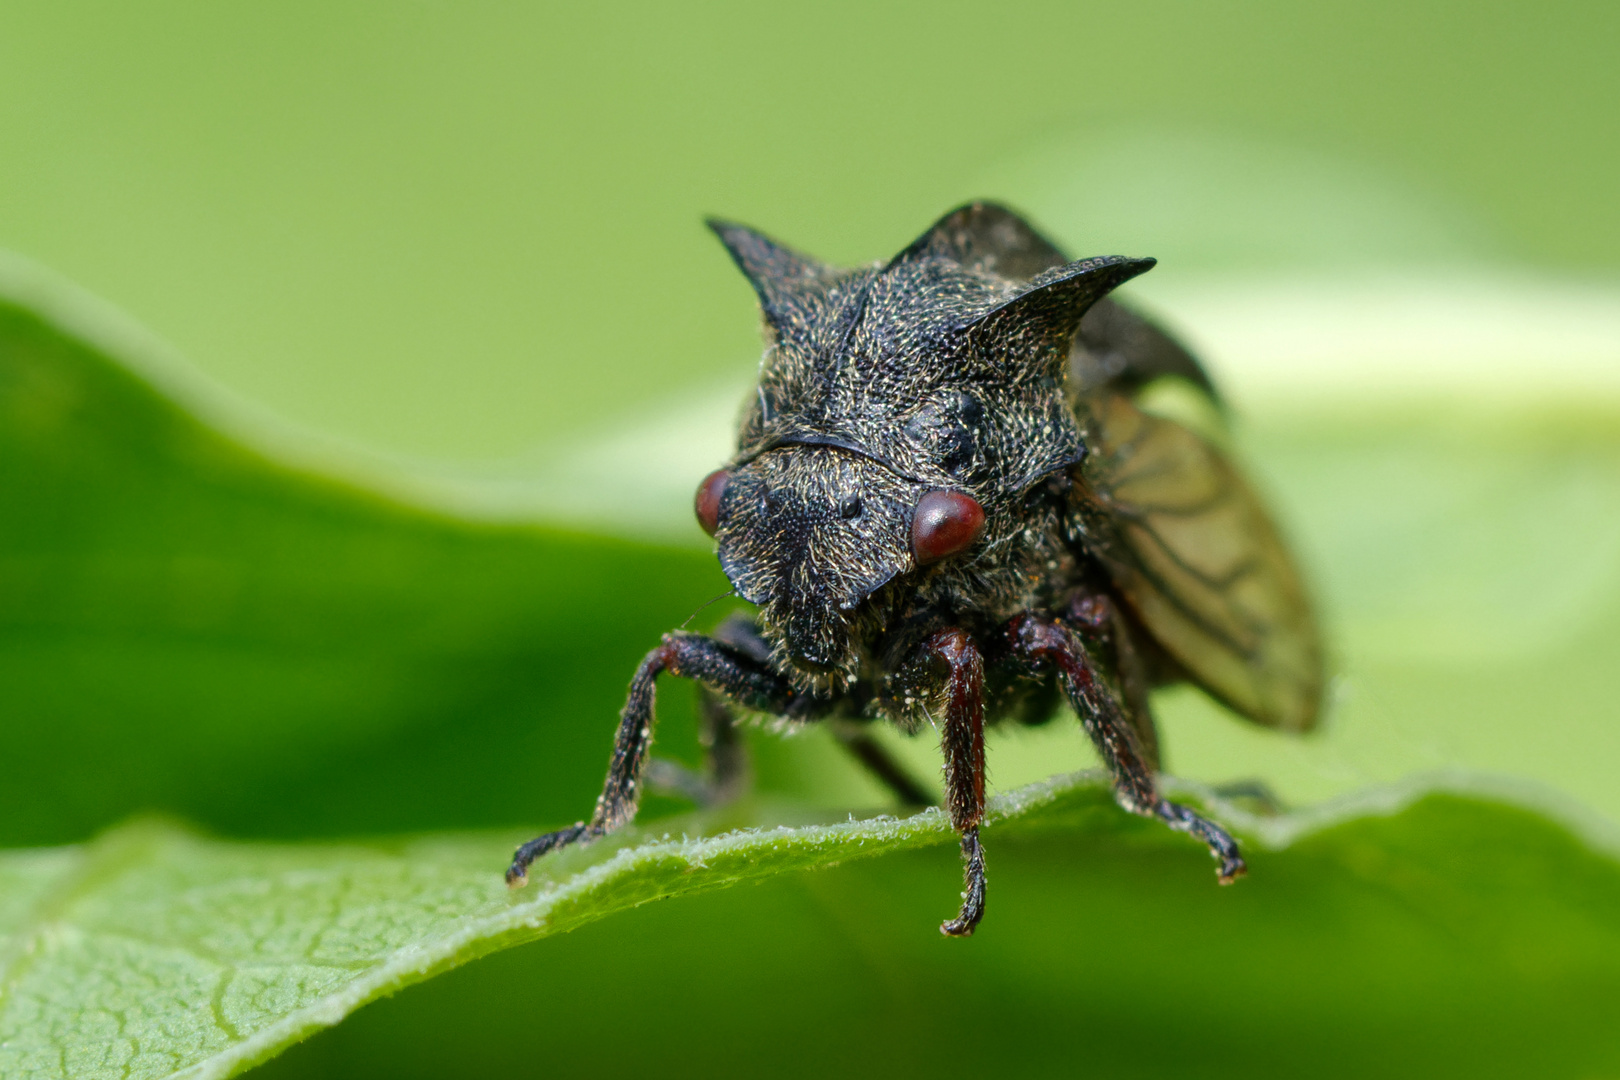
(1192, 550)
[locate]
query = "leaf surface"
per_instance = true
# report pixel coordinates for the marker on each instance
(154, 952)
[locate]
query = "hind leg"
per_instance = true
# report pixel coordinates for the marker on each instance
(857, 739)
(727, 773)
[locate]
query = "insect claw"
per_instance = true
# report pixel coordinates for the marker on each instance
(973, 896)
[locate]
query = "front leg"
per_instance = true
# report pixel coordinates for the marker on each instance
(963, 743)
(1044, 642)
(691, 656)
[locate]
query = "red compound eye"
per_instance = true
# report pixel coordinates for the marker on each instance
(945, 522)
(707, 503)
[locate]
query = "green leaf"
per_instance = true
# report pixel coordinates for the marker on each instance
(204, 629)
(198, 617)
(155, 952)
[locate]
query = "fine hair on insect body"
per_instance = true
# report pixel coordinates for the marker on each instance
(947, 505)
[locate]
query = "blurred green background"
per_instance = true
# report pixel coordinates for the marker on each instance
(460, 246)
(464, 229)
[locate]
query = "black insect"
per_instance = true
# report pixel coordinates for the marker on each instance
(946, 505)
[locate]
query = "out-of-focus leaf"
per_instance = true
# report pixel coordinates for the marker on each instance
(188, 625)
(153, 952)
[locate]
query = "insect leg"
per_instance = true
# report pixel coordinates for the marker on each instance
(725, 756)
(881, 764)
(963, 743)
(1051, 642)
(729, 772)
(691, 656)
(1255, 795)
(742, 634)
(1102, 625)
